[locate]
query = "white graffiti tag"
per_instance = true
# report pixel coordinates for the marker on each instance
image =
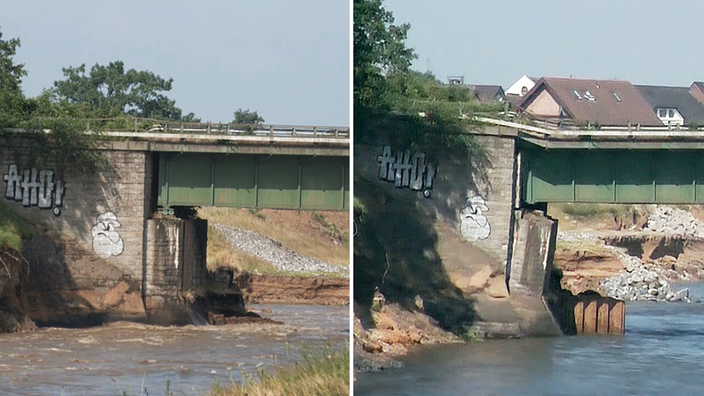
(34, 188)
(407, 170)
(107, 241)
(475, 226)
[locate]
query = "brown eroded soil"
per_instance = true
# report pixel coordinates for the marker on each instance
(293, 289)
(394, 332)
(584, 267)
(585, 264)
(12, 314)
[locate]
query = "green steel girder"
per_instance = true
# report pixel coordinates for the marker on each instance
(254, 181)
(612, 176)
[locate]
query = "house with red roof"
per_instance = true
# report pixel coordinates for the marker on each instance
(581, 102)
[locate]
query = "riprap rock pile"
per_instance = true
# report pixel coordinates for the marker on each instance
(638, 283)
(668, 220)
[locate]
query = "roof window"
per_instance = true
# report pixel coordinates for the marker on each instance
(576, 95)
(588, 96)
(618, 98)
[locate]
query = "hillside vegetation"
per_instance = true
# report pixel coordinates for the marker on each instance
(12, 229)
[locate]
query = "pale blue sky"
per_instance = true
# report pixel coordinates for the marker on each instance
(497, 41)
(288, 60)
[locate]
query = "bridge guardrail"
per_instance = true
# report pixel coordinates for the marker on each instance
(148, 125)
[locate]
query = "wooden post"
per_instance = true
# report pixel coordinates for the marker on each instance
(271, 131)
(602, 325)
(590, 316)
(617, 318)
(579, 316)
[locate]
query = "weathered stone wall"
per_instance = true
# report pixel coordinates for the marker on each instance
(443, 243)
(175, 266)
(530, 274)
(104, 213)
(434, 233)
(471, 200)
(89, 236)
(164, 237)
(534, 248)
(195, 246)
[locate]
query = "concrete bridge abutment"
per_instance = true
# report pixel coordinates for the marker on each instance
(97, 254)
(496, 254)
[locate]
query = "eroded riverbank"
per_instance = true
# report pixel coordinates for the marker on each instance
(661, 352)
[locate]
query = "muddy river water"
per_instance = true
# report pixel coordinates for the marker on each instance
(128, 357)
(661, 353)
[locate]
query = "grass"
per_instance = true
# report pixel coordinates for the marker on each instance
(332, 228)
(290, 235)
(12, 229)
(471, 335)
(322, 373)
(584, 210)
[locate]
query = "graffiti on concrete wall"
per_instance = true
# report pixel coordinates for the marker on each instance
(106, 240)
(474, 225)
(34, 188)
(407, 170)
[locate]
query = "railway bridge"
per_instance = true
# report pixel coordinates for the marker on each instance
(487, 213)
(114, 245)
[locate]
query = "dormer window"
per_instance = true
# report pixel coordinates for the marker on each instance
(666, 113)
(588, 96)
(670, 116)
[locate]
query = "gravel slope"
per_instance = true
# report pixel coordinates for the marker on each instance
(271, 250)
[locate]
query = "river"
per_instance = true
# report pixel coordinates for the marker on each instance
(120, 357)
(662, 352)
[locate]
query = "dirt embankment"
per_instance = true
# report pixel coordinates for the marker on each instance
(13, 316)
(390, 333)
(293, 289)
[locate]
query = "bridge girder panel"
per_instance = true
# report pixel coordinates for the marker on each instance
(612, 176)
(299, 182)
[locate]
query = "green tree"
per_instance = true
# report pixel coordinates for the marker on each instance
(247, 117)
(12, 101)
(112, 91)
(379, 51)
